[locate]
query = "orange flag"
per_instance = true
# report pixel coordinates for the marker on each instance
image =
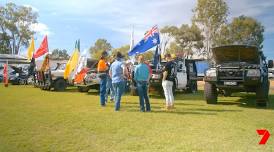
(80, 76)
(43, 49)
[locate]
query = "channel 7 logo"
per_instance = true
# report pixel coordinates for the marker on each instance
(265, 136)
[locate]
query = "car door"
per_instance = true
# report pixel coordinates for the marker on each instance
(181, 75)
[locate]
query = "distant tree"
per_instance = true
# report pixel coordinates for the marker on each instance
(188, 39)
(210, 15)
(15, 22)
(243, 30)
(99, 46)
(174, 48)
(167, 35)
(123, 49)
(148, 55)
(59, 54)
(4, 43)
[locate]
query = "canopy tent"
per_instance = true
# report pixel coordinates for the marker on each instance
(13, 59)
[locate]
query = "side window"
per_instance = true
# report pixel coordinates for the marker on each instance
(191, 70)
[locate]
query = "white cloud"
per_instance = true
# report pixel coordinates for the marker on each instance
(261, 10)
(119, 16)
(41, 29)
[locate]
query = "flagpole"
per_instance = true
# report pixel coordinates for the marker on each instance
(132, 58)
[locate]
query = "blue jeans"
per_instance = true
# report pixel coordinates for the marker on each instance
(109, 89)
(142, 87)
(118, 92)
(103, 84)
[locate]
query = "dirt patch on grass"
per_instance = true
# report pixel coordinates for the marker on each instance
(272, 83)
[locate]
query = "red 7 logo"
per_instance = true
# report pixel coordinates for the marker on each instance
(265, 134)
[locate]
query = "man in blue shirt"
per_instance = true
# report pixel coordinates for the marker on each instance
(118, 74)
(142, 76)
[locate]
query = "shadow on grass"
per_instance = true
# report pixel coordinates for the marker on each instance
(92, 92)
(159, 109)
(249, 101)
(181, 96)
(183, 111)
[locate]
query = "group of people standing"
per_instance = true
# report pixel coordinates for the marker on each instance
(114, 75)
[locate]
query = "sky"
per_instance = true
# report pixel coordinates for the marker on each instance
(65, 21)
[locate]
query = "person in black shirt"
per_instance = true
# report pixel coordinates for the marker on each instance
(169, 75)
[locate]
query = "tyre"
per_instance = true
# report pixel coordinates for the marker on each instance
(262, 94)
(227, 93)
(83, 89)
(60, 85)
(210, 93)
(47, 85)
(192, 87)
(43, 87)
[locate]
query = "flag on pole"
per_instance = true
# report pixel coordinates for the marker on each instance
(157, 56)
(43, 49)
(5, 75)
(73, 61)
(31, 49)
(79, 77)
(45, 64)
(151, 39)
(82, 62)
(132, 58)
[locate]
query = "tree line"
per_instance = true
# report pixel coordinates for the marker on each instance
(209, 28)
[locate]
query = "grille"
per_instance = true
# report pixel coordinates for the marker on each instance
(230, 74)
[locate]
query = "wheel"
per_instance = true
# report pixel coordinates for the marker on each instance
(83, 89)
(210, 93)
(192, 87)
(262, 93)
(227, 93)
(60, 85)
(43, 87)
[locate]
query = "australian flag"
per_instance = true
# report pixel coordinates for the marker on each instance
(150, 40)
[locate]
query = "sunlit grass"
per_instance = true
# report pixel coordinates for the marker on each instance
(36, 120)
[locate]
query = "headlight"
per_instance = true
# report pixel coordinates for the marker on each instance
(211, 73)
(253, 73)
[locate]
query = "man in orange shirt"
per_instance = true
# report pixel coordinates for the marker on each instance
(102, 70)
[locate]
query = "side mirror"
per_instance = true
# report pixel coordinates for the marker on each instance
(270, 63)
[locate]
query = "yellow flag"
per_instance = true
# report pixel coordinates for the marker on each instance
(45, 64)
(31, 49)
(72, 63)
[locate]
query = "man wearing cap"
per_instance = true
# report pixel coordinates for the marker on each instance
(118, 74)
(102, 69)
(169, 75)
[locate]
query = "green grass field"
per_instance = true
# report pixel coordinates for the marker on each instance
(36, 120)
